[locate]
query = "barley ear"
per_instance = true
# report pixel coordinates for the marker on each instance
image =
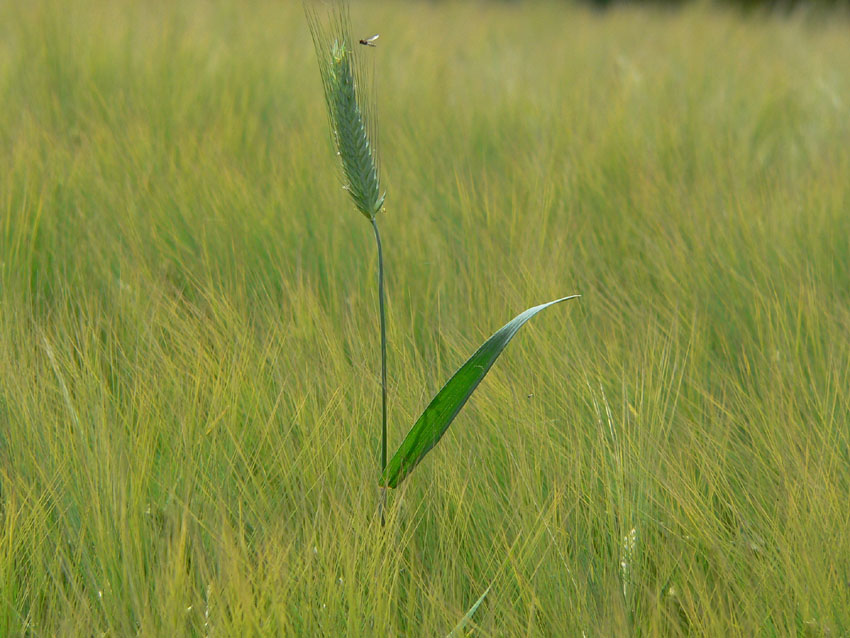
(350, 114)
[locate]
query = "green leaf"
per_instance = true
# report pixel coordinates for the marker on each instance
(444, 407)
(468, 616)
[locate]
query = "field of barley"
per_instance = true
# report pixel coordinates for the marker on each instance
(190, 365)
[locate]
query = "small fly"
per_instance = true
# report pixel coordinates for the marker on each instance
(370, 42)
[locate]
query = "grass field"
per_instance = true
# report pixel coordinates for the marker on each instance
(189, 361)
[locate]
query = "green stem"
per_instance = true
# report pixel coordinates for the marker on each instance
(383, 348)
(383, 366)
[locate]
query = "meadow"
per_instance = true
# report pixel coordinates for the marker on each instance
(189, 365)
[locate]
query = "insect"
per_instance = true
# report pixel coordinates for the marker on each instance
(370, 42)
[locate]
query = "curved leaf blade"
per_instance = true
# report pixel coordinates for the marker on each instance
(444, 407)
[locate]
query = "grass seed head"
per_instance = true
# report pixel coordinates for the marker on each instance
(350, 104)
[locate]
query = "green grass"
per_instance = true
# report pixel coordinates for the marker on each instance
(189, 387)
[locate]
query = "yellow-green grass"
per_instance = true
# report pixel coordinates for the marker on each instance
(189, 360)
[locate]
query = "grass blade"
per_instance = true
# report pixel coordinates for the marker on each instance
(444, 407)
(468, 615)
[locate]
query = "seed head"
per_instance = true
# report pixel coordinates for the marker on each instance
(350, 102)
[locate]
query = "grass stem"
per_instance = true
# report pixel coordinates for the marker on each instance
(383, 359)
(383, 347)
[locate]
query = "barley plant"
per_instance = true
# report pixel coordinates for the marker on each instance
(350, 103)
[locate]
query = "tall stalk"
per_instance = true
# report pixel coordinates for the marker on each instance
(383, 497)
(383, 348)
(350, 100)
